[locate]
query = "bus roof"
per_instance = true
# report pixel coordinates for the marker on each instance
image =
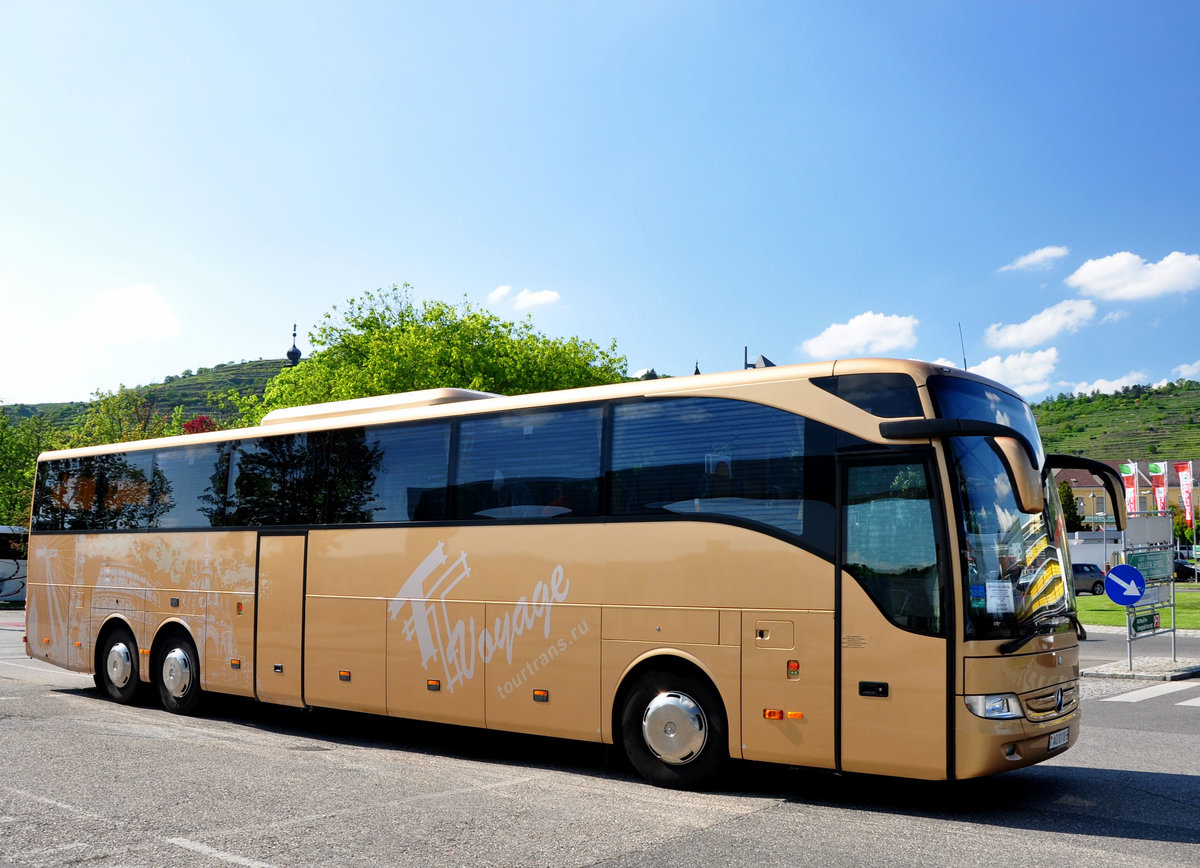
(440, 403)
(375, 404)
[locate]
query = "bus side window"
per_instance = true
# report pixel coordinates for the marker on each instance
(890, 544)
(397, 473)
(532, 465)
(276, 480)
(723, 457)
(184, 480)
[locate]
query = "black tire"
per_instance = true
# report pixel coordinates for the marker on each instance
(177, 674)
(687, 745)
(117, 666)
(1097, 589)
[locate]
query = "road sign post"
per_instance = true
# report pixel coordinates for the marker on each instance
(1145, 586)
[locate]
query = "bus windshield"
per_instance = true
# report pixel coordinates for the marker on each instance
(960, 398)
(1015, 562)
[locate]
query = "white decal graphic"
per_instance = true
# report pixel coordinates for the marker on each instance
(454, 641)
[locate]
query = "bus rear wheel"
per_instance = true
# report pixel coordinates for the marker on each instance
(673, 730)
(177, 674)
(117, 673)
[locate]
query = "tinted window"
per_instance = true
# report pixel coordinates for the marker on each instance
(389, 473)
(12, 546)
(890, 545)
(276, 481)
(540, 464)
(723, 457)
(98, 492)
(960, 398)
(64, 495)
(891, 396)
(193, 485)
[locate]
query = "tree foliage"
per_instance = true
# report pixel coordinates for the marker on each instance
(383, 343)
(124, 415)
(20, 444)
(1070, 509)
(1179, 523)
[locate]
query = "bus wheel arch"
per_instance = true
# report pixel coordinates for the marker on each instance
(672, 723)
(117, 662)
(175, 669)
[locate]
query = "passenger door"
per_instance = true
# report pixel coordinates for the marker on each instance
(279, 631)
(893, 620)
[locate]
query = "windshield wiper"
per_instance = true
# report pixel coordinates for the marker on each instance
(1041, 628)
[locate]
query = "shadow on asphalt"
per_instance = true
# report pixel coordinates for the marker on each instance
(1102, 802)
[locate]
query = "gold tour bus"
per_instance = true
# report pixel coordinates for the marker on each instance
(856, 566)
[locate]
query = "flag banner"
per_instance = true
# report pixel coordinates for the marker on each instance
(1158, 479)
(1129, 477)
(1183, 469)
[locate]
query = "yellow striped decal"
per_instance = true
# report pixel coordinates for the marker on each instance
(1047, 588)
(1037, 548)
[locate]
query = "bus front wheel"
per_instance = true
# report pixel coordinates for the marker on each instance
(673, 730)
(178, 675)
(117, 673)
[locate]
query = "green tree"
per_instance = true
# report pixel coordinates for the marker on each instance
(124, 415)
(383, 343)
(1070, 509)
(1179, 521)
(20, 444)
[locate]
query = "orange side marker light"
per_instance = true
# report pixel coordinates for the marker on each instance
(773, 713)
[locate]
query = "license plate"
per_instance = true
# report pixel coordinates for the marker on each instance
(1059, 739)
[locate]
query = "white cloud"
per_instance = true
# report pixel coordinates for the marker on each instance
(129, 315)
(499, 293)
(1040, 259)
(1114, 316)
(1189, 371)
(1127, 277)
(1066, 316)
(1106, 387)
(1027, 373)
(525, 298)
(946, 363)
(868, 332)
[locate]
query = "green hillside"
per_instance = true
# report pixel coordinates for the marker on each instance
(1136, 423)
(189, 390)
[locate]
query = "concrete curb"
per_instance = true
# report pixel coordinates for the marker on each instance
(1121, 631)
(1147, 669)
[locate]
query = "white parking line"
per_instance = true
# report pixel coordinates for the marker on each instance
(1151, 692)
(1195, 702)
(232, 858)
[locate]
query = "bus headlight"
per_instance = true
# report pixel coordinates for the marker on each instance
(995, 706)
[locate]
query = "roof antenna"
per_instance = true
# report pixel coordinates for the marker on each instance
(963, 345)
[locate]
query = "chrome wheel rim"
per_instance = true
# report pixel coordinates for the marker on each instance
(177, 673)
(674, 728)
(119, 664)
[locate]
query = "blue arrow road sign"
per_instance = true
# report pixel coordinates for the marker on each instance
(1125, 585)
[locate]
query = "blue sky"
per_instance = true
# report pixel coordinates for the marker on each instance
(181, 182)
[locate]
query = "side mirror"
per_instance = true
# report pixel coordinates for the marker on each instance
(1029, 492)
(1109, 478)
